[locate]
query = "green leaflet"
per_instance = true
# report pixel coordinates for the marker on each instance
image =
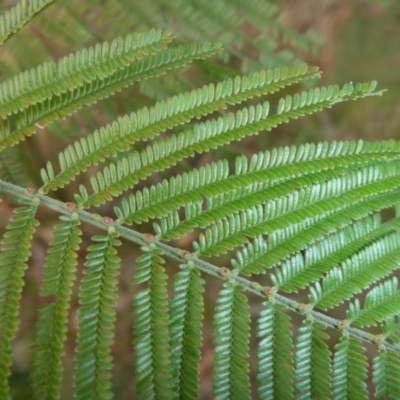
(274, 353)
(152, 343)
(312, 362)
(381, 302)
(18, 16)
(98, 294)
(349, 370)
(186, 314)
(59, 275)
(386, 374)
(15, 252)
(231, 380)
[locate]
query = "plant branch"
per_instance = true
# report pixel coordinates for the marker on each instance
(184, 257)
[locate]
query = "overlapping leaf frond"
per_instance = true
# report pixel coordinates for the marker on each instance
(359, 272)
(210, 135)
(292, 216)
(147, 123)
(86, 65)
(381, 302)
(59, 106)
(331, 251)
(289, 167)
(199, 19)
(12, 167)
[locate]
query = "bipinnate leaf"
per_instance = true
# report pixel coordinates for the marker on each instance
(147, 123)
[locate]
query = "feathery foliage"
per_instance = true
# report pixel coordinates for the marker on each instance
(59, 275)
(274, 353)
(232, 326)
(349, 369)
(321, 218)
(153, 365)
(98, 294)
(18, 16)
(186, 312)
(15, 252)
(312, 368)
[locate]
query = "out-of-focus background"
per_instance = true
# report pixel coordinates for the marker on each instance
(351, 40)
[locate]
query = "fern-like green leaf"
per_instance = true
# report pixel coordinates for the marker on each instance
(291, 242)
(274, 353)
(98, 294)
(296, 167)
(349, 370)
(312, 363)
(231, 368)
(186, 315)
(157, 201)
(286, 217)
(381, 302)
(18, 16)
(359, 272)
(147, 123)
(386, 374)
(151, 343)
(59, 275)
(209, 135)
(43, 113)
(87, 65)
(15, 252)
(301, 269)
